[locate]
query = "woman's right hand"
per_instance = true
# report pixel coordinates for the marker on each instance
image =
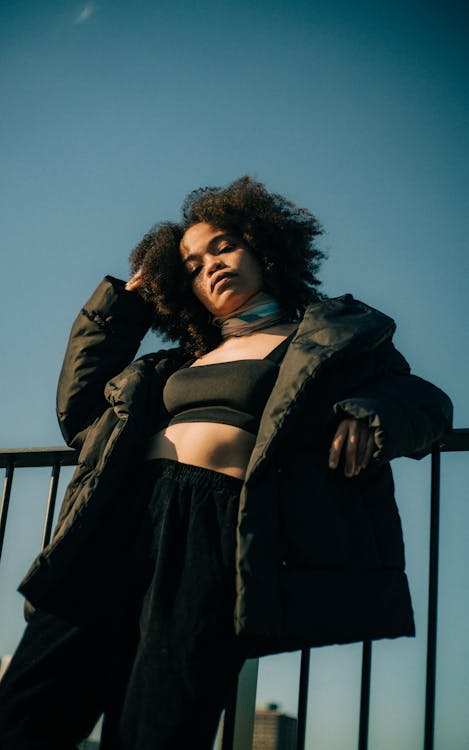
(354, 441)
(136, 282)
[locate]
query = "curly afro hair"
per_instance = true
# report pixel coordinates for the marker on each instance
(280, 235)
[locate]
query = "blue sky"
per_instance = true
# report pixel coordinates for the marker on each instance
(359, 111)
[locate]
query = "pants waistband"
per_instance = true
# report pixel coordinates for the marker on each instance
(169, 469)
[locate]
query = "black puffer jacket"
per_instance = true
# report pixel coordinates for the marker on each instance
(320, 557)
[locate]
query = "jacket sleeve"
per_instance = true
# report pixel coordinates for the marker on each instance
(409, 414)
(104, 339)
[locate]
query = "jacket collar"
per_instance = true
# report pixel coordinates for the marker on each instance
(331, 330)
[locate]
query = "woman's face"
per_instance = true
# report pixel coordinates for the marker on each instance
(224, 273)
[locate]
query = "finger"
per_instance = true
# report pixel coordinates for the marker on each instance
(370, 446)
(337, 444)
(366, 446)
(363, 434)
(135, 282)
(351, 449)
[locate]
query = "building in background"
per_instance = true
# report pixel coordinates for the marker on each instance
(274, 730)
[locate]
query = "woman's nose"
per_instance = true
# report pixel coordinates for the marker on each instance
(214, 265)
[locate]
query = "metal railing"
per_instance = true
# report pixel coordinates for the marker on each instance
(238, 724)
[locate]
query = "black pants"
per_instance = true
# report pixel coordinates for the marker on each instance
(162, 664)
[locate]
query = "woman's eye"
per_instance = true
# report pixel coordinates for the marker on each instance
(226, 248)
(194, 271)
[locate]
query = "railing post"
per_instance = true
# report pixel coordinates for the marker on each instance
(229, 719)
(54, 482)
(365, 696)
(303, 699)
(432, 602)
(5, 502)
(246, 706)
(238, 723)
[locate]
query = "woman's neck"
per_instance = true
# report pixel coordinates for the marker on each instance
(260, 311)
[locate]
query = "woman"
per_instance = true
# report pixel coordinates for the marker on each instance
(236, 503)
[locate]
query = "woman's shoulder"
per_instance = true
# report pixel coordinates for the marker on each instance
(344, 321)
(343, 306)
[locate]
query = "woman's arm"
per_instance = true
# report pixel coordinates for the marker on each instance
(104, 339)
(407, 414)
(392, 413)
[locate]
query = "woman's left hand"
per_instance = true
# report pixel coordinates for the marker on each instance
(355, 441)
(135, 283)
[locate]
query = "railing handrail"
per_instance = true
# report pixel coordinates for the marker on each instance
(34, 457)
(454, 440)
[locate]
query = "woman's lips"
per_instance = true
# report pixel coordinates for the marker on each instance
(221, 278)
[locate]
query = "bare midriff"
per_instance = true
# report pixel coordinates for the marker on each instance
(212, 445)
(219, 447)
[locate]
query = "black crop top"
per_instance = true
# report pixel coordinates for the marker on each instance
(233, 393)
